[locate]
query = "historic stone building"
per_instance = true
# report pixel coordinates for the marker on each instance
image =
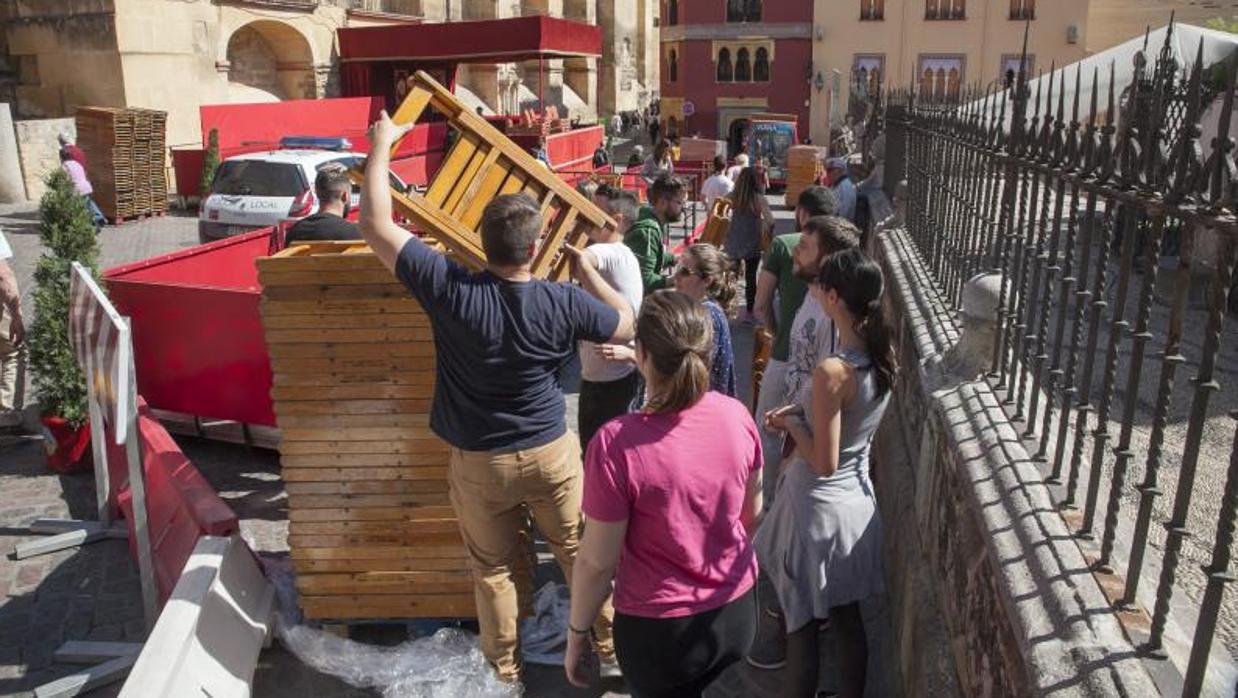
(176, 55)
(943, 45)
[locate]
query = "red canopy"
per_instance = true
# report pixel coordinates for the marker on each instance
(484, 41)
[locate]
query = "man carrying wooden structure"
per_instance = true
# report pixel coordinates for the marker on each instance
(502, 335)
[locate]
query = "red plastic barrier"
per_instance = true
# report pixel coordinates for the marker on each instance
(187, 167)
(197, 333)
(572, 150)
(181, 505)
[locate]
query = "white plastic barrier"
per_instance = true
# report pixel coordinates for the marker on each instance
(208, 637)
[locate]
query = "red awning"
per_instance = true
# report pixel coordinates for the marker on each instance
(484, 41)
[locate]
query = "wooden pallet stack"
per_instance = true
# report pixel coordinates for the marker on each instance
(371, 531)
(804, 168)
(125, 155)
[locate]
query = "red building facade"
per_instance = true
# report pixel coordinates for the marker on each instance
(723, 60)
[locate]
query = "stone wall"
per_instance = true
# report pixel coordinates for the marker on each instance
(253, 63)
(40, 151)
(989, 594)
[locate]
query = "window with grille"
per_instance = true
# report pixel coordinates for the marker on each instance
(672, 64)
(743, 66)
(743, 10)
(1022, 9)
(945, 9)
(672, 12)
(872, 10)
(941, 77)
(725, 73)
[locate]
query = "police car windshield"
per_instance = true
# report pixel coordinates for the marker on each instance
(258, 178)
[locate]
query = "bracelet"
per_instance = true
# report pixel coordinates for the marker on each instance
(578, 632)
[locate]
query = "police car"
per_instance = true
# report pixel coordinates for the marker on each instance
(259, 190)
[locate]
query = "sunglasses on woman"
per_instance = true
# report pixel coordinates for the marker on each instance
(685, 271)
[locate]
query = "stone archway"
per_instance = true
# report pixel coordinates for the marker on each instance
(272, 58)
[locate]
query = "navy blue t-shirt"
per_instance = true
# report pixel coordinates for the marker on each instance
(499, 348)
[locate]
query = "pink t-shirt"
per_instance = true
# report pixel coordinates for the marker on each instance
(680, 481)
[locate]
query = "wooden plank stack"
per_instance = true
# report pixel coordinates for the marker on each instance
(125, 155)
(372, 533)
(804, 169)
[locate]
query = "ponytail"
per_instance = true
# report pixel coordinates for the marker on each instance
(858, 281)
(677, 335)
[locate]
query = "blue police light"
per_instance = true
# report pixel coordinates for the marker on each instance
(314, 143)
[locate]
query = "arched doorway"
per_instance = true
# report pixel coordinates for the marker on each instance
(737, 137)
(269, 60)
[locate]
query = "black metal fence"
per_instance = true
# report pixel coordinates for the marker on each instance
(1115, 238)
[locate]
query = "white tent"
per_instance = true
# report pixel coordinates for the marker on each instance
(1183, 45)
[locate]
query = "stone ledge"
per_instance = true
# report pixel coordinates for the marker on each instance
(1023, 612)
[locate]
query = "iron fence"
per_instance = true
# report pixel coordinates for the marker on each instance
(1114, 234)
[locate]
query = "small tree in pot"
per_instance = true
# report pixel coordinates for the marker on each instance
(68, 236)
(210, 164)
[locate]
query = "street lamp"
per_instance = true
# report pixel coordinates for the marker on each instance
(819, 81)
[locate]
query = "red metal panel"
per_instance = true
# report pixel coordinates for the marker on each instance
(187, 165)
(197, 333)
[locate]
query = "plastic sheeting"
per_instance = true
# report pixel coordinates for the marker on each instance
(447, 664)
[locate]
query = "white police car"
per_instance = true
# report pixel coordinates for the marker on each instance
(258, 190)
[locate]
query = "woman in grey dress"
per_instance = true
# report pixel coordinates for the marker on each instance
(820, 543)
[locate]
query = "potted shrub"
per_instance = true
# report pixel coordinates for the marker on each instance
(210, 164)
(68, 236)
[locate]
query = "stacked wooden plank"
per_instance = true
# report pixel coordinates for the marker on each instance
(125, 155)
(804, 168)
(700, 149)
(372, 533)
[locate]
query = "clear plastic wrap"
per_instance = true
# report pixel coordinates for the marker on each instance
(447, 664)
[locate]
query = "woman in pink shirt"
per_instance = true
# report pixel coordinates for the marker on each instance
(671, 495)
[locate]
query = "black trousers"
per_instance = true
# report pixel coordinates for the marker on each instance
(602, 402)
(680, 657)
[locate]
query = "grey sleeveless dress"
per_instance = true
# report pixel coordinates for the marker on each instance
(820, 542)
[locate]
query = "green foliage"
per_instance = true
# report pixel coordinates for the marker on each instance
(68, 236)
(210, 163)
(1222, 24)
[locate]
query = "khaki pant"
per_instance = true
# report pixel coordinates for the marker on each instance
(490, 492)
(9, 356)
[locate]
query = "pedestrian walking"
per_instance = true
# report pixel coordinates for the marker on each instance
(502, 337)
(752, 221)
(687, 463)
(718, 184)
(68, 146)
(81, 184)
(820, 543)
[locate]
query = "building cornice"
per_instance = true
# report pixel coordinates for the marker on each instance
(736, 32)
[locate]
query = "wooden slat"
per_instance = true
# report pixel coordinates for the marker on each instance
(343, 392)
(466, 179)
(338, 350)
(410, 109)
(373, 487)
(349, 407)
(340, 448)
(315, 308)
(276, 321)
(319, 277)
(446, 549)
(337, 293)
(339, 460)
(354, 366)
(453, 165)
(392, 514)
(304, 567)
(330, 334)
(345, 422)
(483, 189)
(363, 527)
(363, 501)
(412, 606)
(336, 584)
(302, 378)
(364, 473)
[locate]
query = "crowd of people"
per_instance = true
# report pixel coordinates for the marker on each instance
(683, 498)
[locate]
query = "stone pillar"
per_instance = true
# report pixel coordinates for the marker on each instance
(12, 188)
(974, 351)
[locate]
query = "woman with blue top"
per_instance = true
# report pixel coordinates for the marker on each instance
(703, 274)
(820, 543)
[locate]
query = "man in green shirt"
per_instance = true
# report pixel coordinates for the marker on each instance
(667, 196)
(777, 276)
